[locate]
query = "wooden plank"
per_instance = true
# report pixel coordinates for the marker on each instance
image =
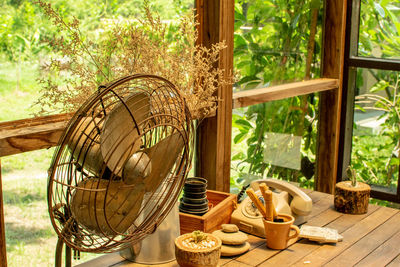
(18, 124)
(369, 243)
(3, 254)
(321, 205)
(214, 134)
(317, 196)
(133, 264)
(224, 261)
(255, 241)
(305, 247)
(324, 218)
(330, 101)
(235, 263)
(324, 253)
(262, 95)
(395, 262)
(384, 254)
(31, 134)
(31, 138)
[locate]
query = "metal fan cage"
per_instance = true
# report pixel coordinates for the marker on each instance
(92, 205)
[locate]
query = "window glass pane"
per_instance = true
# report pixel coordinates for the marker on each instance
(275, 139)
(379, 34)
(276, 41)
(375, 148)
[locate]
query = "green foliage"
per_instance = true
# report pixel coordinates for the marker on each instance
(271, 44)
(380, 29)
(377, 156)
(272, 40)
(369, 158)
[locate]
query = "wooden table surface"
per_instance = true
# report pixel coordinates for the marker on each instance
(371, 239)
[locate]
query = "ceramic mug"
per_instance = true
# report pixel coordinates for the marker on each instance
(277, 233)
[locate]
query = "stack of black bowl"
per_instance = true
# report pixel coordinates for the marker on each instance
(194, 200)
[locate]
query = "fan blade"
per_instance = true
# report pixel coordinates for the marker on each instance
(119, 138)
(84, 145)
(163, 156)
(122, 205)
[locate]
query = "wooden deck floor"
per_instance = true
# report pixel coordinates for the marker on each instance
(372, 239)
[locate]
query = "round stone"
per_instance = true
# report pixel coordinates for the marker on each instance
(231, 250)
(229, 228)
(237, 238)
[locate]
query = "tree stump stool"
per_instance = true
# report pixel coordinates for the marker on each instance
(352, 200)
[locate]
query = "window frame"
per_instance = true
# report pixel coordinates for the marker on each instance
(351, 62)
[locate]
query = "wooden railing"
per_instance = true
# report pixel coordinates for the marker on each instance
(44, 132)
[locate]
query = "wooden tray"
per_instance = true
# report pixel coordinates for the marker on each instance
(222, 205)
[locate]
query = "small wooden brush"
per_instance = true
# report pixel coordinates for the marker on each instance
(256, 201)
(267, 194)
(269, 205)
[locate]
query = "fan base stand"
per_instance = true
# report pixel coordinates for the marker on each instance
(68, 256)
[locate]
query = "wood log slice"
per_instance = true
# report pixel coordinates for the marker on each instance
(197, 257)
(352, 200)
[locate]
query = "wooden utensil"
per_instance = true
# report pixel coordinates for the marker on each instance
(269, 205)
(256, 201)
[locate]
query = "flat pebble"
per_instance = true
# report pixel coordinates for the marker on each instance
(230, 250)
(237, 238)
(229, 228)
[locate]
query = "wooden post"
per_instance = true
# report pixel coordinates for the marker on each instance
(3, 255)
(330, 101)
(213, 154)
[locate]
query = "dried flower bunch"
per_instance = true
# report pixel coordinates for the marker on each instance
(128, 47)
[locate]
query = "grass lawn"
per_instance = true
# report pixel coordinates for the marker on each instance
(30, 238)
(18, 90)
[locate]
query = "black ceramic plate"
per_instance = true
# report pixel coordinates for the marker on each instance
(189, 206)
(194, 200)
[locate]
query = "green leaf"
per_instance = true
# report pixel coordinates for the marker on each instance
(239, 156)
(239, 40)
(244, 123)
(243, 63)
(394, 161)
(379, 9)
(240, 137)
(379, 86)
(248, 79)
(250, 150)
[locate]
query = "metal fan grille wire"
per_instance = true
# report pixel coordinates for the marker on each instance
(120, 164)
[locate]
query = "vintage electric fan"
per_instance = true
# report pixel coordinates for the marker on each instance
(120, 165)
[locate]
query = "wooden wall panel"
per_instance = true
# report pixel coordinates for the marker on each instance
(216, 19)
(330, 101)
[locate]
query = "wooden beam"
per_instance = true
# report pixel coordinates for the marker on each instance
(257, 96)
(213, 154)
(31, 134)
(3, 254)
(330, 101)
